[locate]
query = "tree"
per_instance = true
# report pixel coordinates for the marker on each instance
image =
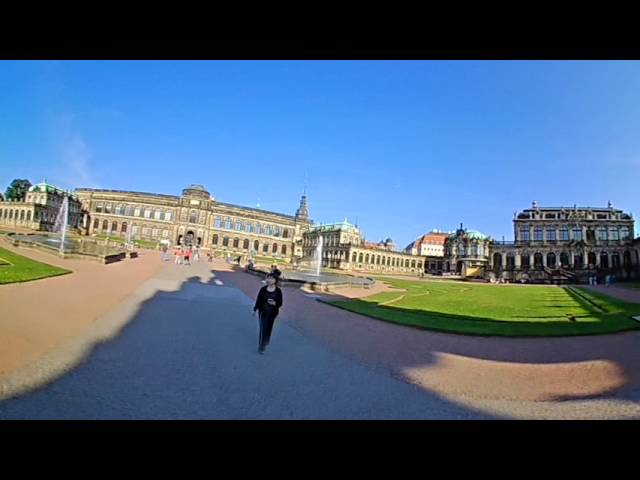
(1, 198)
(17, 190)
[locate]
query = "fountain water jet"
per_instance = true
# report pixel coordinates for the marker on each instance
(318, 255)
(61, 222)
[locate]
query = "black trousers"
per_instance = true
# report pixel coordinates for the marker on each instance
(267, 318)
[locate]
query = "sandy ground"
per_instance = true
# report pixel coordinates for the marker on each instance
(492, 368)
(39, 316)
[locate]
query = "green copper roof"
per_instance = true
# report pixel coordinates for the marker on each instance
(344, 225)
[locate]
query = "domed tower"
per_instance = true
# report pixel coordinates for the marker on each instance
(302, 213)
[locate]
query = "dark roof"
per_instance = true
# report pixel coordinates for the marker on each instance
(104, 190)
(291, 217)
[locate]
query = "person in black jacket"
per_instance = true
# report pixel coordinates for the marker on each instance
(267, 305)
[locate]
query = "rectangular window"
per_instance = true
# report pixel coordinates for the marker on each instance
(551, 234)
(154, 232)
(217, 222)
(137, 212)
(158, 215)
(577, 234)
(564, 235)
(537, 234)
(119, 210)
(147, 213)
(613, 234)
(107, 208)
(165, 233)
(168, 216)
(99, 208)
(602, 234)
(228, 224)
(524, 234)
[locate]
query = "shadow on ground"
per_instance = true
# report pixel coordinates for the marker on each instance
(187, 350)
(549, 369)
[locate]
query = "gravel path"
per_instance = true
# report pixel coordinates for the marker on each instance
(187, 351)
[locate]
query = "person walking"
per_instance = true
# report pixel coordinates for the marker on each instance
(178, 254)
(268, 304)
(187, 255)
(196, 254)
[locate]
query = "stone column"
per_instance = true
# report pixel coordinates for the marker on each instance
(504, 260)
(517, 259)
(531, 261)
(572, 259)
(544, 259)
(597, 259)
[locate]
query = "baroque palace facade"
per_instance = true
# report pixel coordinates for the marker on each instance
(195, 218)
(570, 243)
(344, 248)
(40, 208)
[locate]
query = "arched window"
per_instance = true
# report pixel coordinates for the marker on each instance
(96, 224)
(551, 260)
(193, 216)
(604, 259)
(21, 215)
(564, 259)
(225, 241)
(123, 227)
(265, 248)
(256, 245)
(537, 260)
(626, 259)
(413, 264)
(214, 239)
(285, 233)
(284, 250)
(497, 260)
(354, 257)
(245, 244)
(511, 261)
(615, 260)
(360, 258)
(275, 248)
(276, 231)
(236, 242)
(366, 258)
(28, 215)
(591, 258)
(217, 222)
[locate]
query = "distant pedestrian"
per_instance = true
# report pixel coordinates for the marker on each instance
(209, 256)
(238, 259)
(275, 271)
(196, 254)
(187, 256)
(267, 306)
(178, 255)
(165, 253)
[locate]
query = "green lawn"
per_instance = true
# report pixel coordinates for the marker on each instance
(479, 309)
(16, 268)
(629, 285)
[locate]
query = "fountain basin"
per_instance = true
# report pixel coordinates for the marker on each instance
(322, 282)
(85, 249)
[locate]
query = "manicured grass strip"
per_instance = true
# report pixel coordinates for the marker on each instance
(491, 310)
(23, 269)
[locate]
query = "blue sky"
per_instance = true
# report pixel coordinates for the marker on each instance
(401, 146)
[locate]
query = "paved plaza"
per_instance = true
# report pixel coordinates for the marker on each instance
(179, 342)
